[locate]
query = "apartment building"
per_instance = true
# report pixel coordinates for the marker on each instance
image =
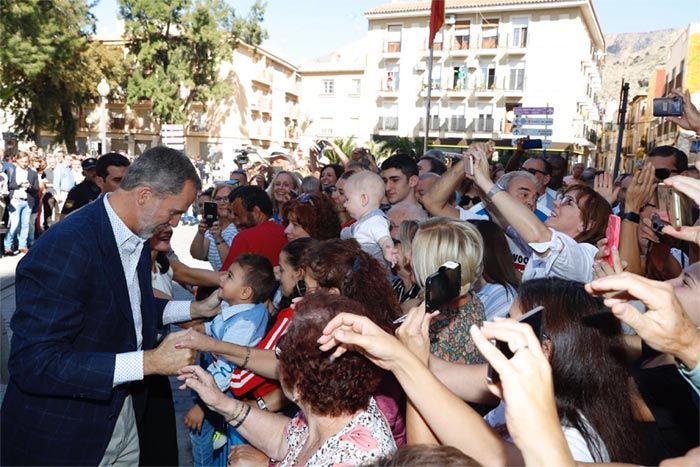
(332, 90)
(262, 110)
(489, 58)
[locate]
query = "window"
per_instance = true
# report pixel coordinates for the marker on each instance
(485, 121)
(328, 86)
(459, 77)
(391, 82)
(390, 118)
(489, 34)
(437, 42)
(393, 43)
(519, 32)
(488, 76)
(517, 79)
(355, 86)
(462, 30)
(436, 77)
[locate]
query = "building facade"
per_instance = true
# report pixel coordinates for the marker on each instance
(489, 58)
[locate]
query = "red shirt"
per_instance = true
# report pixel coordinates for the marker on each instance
(266, 239)
(244, 381)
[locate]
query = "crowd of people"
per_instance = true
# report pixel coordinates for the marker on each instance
(315, 338)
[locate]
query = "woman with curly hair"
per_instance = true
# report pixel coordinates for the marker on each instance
(339, 421)
(311, 215)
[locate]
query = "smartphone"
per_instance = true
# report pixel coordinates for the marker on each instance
(534, 319)
(668, 106)
(532, 144)
(210, 215)
(612, 233)
(443, 286)
(677, 207)
(469, 164)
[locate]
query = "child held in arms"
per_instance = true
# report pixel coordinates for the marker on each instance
(364, 192)
(247, 284)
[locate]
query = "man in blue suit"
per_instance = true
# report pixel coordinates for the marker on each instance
(84, 329)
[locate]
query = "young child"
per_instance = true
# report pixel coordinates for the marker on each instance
(364, 192)
(250, 281)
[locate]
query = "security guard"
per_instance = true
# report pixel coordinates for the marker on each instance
(85, 191)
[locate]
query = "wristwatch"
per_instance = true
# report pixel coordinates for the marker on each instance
(631, 216)
(495, 189)
(261, 403)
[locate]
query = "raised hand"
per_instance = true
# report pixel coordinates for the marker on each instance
(605, 187)
(413, 332)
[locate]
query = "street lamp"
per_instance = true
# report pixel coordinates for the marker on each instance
(103, 90)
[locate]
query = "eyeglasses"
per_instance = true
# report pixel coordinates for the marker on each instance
(221, 199)
(533, 171)
(567, 200)
(663, 174)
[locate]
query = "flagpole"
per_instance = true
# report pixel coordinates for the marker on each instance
(427, 105)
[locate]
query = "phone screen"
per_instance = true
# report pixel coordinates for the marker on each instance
(534, 319)
(443, 286)
(210, 213)
(612, 233)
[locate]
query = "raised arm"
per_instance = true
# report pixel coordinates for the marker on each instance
(194, 276)
(199, 248)
(524, 221)
(437, 199)
(638, 195)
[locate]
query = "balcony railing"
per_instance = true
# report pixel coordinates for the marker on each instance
(458, 124)
(435, 124)
(484, 125)
(388, 123)
(391, 47)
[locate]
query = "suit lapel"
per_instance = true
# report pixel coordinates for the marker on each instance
(112, 264)
(147, 314)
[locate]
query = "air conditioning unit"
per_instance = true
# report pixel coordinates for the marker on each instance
(450, 19)
(420, 67)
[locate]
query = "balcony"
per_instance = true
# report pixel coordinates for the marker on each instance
(261, 131)
(436, 90)
(264, 77)
(437, 49)
(484, 125)
(458, 90)
(516, 43)
(262, 103)
(436, 124)
(391, 50)
(459, 125)
(294, 88)
(460, 45)
(387, 124)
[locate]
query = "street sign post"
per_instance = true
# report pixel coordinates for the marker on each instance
(519, 121)
(534, 110)
(517, 131)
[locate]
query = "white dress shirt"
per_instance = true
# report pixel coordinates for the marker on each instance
(128, 366)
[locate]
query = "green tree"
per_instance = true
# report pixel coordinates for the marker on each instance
(175, 48)
(49, 68)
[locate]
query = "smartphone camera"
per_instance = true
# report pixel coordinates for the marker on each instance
(668, 106)
(443, 286)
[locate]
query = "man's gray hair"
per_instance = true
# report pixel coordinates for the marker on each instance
(310, 184)
(163, 169)
(414, 212)
(505, 180)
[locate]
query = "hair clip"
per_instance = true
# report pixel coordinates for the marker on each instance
(356, 264)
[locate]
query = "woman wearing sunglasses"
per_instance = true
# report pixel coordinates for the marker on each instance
(562, 246)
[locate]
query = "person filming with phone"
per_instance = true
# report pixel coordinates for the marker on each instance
(216, 230)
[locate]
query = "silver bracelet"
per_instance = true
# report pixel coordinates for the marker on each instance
(495, 189)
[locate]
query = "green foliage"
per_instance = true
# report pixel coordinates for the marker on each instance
(48, 66)
(347, 145)
(411, 146)
(175, 49)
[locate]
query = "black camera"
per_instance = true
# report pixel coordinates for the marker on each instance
(241, 157)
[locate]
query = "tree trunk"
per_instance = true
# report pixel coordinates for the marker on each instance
(68, 127)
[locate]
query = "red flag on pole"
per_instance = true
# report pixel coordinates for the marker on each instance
(437, 19)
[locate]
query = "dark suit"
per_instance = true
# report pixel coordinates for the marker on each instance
(73, 315)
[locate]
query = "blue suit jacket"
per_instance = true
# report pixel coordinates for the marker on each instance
(73, 315)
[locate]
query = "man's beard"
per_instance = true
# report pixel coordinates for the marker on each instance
(146, 227)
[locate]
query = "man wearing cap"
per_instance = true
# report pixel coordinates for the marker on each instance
(85, 191)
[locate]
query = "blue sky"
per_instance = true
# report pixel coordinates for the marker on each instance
(306, 29)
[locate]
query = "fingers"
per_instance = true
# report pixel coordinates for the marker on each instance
(617, 262)
(687, 234)
(686, 185)
(522, 332)
(344, 319)
(652, 293)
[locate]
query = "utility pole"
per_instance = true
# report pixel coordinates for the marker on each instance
(427, 105)
(621, 116)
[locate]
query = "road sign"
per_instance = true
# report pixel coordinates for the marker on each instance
(533, 121)
(173, 136)
(532, 132)
(533, 110)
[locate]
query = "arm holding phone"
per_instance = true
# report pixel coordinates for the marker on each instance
(690, 117)
(639, 194)
(437, 199)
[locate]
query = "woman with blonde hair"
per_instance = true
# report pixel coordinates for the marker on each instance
(285, 186)
(437, 241)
